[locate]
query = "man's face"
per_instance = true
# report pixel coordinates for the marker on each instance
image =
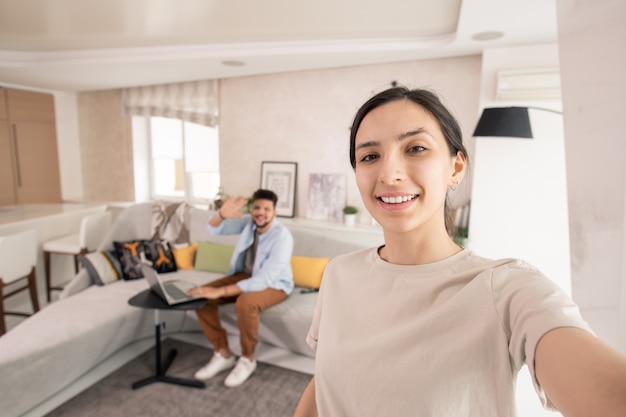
(263, 213)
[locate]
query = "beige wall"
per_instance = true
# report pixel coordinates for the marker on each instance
(301, 117)
(106, 147)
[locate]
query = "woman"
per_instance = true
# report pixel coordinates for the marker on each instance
(423, 327)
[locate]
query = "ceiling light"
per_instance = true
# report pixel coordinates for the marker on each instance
(487, 36)
(233, 63)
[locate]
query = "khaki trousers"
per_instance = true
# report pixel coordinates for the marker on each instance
(248, 307)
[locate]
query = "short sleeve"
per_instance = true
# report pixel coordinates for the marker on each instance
(313, 334)
(529, 306)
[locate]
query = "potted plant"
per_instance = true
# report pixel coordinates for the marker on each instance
(349, 215)
(248, 206)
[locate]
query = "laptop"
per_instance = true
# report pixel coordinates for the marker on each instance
(172, 292)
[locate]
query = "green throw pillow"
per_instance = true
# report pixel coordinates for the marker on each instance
(213, 257)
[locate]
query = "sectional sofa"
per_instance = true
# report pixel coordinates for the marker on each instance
(90, 322)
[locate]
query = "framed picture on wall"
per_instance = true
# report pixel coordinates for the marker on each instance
(281, 177)
(327, 196)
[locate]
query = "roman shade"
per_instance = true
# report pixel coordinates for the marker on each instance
(195, 101)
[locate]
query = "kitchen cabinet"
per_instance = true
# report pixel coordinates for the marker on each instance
(29, 161)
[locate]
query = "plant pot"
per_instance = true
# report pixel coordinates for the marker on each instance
(349, 219)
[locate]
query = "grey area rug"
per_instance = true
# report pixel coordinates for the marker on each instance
(270, 391)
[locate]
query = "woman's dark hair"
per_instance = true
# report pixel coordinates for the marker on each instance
(429, 102)
(423, 98)
(261, 194)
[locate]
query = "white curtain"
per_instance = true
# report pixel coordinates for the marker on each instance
(195, 101)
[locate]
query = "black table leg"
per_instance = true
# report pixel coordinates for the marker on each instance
(161, 369)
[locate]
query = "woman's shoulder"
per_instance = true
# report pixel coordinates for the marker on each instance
(358, 254)
(502, 264)
(466, 262)
(511, 274)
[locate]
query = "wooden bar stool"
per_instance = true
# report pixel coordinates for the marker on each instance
(93, 229)
(18, 259)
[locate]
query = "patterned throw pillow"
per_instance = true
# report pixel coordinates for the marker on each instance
(103, 267)
(159, 254)
(130, 254)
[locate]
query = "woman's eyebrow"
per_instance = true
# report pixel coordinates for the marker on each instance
(401, 137)
(367, 144)
(414, 132)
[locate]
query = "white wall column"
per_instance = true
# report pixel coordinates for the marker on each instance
(593, 64)
(68, 142)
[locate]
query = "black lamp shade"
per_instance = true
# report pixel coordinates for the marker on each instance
(504, 122)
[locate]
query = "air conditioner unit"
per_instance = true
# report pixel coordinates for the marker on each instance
(528, 84)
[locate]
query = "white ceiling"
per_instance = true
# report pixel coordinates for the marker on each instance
(78, 45)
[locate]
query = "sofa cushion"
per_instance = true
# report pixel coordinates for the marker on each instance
(308, 271)
(318, 245)
(134, 222)
(213, 257)
(285, 324)
(130, 254)
(159, 253)
(185, 256)
(103, 267)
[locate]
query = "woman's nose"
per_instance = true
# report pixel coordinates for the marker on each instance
(391, 171)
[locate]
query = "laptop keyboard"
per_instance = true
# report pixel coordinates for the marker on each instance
(175, 292)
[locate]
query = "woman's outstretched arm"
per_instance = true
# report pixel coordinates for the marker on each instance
(580, 374)
(306, 406)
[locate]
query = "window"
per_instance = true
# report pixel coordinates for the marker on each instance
(183, 160)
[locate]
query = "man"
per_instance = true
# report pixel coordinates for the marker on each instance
(260, 276)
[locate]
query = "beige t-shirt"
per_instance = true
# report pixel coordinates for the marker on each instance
(442, 339)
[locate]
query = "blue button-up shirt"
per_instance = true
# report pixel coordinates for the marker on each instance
(272, 262)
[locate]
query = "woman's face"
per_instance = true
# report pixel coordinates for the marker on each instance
(404, 168)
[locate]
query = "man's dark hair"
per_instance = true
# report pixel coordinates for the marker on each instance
(262, 194)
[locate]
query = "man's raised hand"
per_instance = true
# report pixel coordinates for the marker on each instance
(232, 207)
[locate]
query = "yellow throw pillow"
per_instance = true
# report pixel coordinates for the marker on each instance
(308, 271)
(185, 257)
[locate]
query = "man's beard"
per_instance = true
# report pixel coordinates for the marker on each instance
(262, 226)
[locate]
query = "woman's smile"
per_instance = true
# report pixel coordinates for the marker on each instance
(396, 202)
(397, 199)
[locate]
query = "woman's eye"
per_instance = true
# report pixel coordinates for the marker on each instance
(417, 149)
(369, 157)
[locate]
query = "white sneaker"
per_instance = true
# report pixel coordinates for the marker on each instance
(240, 374)
(217, 364)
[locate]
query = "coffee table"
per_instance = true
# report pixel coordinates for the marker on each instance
(148, 299)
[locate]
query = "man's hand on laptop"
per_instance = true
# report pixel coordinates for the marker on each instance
(213, 293)
(206, 292)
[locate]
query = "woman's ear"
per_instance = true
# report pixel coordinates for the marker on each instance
(459, 165)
